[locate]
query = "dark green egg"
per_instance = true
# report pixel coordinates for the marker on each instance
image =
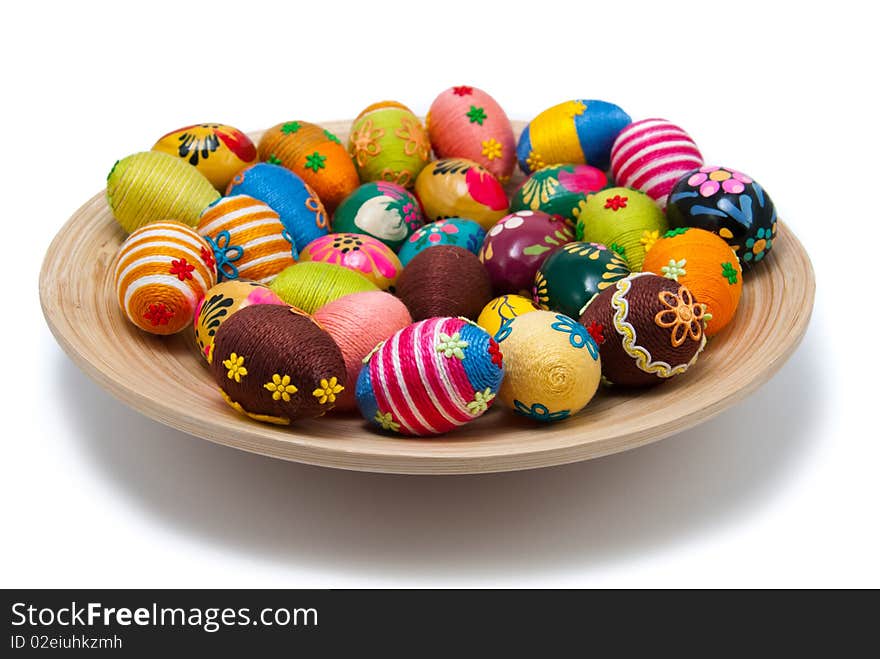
(573, 274)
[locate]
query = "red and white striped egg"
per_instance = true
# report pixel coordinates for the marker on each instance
(651, 155)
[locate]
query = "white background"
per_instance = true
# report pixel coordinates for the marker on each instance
(782, 490)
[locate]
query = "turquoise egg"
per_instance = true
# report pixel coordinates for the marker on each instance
(451, 231)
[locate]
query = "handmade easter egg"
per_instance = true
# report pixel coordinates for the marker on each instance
(299, 208)
(315, 155)
(430, 377)
(310, 285)
(500, 311)
(451, 231)
(580, 132)
(275, 364)
(161, 272)
(707, 265)
(364, 254)
(559, 190)
(385, 211)
(152, 186)
(517, 245)
(455, 187)
(247, 238)
(570, 277)
(218, 151)
(729, 203)
(218, 305)
(444, 281)
(648, 328)
(552, 367)
(389, 143)
(465, 122)
(358, 322)
(625, 220)
(651, 155)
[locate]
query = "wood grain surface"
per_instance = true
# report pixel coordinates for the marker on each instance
(165, 379)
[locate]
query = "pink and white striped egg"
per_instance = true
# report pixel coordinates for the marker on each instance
(651, 155)
(430, 377)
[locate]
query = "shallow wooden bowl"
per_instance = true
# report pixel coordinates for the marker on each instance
(165, 379)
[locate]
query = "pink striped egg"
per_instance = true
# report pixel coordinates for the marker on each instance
(430, 377)
(651, 155)
(465, 122)
(162, 271)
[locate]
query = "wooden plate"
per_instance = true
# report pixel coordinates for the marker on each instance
(165, 379)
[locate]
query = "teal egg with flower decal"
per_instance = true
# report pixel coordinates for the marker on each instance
(559, 190)
(456, 231)
(386, 211)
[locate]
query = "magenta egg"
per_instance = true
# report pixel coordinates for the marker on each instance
(517, 245)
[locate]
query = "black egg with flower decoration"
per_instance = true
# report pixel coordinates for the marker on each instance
(730, 204)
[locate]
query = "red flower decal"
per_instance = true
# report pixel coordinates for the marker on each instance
(208, 258)
(596, 331)
(182, 269)
(159, 314)
(463, 90)
(616, 202)
(495, 352)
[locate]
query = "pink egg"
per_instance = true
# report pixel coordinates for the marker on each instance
(465, 122)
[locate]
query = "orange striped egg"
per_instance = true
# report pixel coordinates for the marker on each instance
(247, 237)
(161, 273)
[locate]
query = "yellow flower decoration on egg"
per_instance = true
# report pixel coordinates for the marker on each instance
(492, 149)
(326, 392)
(649, 238)
(281, 387)
(235, 365)
(535, 161)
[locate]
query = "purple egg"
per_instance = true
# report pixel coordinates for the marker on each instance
(517, 245)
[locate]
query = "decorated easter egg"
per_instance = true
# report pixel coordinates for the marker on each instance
(275, 364)
(389, 143)
(552, 366)
(385, 211)
(162, 271)
(309, 285)
(430, 378)
(358, 322)
(651, 155)
(502, 310)
(570, 277)
(218, 151)
(729, 203)
(559, 190)
(455, 187)
(299, 208)
(363, 254)
(152, 186)
(315, 155)
(465, 122)
(451, 231)
(218, 305)
(517, 245)
(648, 329)
(247, 238)
(707, 265)
(580, 132)
(625, 220)
(444, 281)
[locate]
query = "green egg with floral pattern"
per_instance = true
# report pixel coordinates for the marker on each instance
(560, 190)
(386, 211)
(573, 274)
